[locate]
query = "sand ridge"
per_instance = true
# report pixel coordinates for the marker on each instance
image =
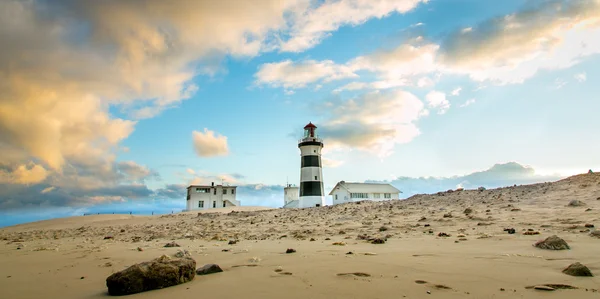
(453, 242)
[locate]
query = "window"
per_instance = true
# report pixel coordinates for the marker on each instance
(224, 204)
(202, 190)
(388, 195)
(224, 191)
(214, 204)
(359, 195)
(315, 177)
(232, 191)
(376, 195)
(201, 204)
(214, 191)
(188, 197)
(336, 197)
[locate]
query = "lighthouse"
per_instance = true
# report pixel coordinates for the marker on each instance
(311, 173)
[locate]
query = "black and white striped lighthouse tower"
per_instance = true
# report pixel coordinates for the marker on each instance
(311, 173)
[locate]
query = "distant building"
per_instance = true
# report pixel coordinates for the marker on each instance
(290, 196)
(203, 197)
(352, 192)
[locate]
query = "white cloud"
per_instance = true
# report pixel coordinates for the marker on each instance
(208, 144)
(437, 100)
(425, 82)
(468, 103)
(332, 163)
(511, 49)
(290, 75)
(190, 171)
(24, 174)
(373, 122)
(456, 91)
(559, 83)
(49, 189)
(581, 77)
(314, 24)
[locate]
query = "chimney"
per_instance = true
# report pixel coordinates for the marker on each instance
(212, 184)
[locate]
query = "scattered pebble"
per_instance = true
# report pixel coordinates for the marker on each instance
(290, 250)
(577, 269)
(552, 243)
(172, 244)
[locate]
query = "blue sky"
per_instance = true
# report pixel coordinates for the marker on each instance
(118, 106)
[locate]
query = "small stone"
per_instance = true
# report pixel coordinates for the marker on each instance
(468, 211)
(82, 277)
(576, 203)
(342, 232)
(595, 233)
(378, 241)
(108, 237)
(543, 288)
(122, 230)
(443, 235)
(182, 254)
(339, 243)
(552, 243)
(349, 252)
(140, 249)
(232, 242)
(427, 225)
(577, 269)
(510, 230)
(172, 244)
(383, 228)
(312, 239)
(290, 250)
(208, 269)
(530, 233)
(447, 215)
(502, 289)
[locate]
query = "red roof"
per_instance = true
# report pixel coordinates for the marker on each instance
(310, 125)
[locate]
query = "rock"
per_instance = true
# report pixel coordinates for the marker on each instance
(443, 235)
(481, 189)
(378, 241)
(155, 274)
(576, 203)
(552, 243)
(122, 230)
(232, 242)
(182, 254)
(577, 269)
(290, 250)
(108, 237)
(172, 244)
(589, 225)
(543, 288)
(510, 230)
(339, 243)
(208, 269)
(447, 215)
(140, 249)
(468, 211)
(530, 233)
(383, 228)
(595, 233)
(312, 239)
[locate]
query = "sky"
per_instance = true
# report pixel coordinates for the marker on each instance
(117, 106)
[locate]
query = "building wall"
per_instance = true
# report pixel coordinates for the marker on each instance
(211, 200)
(343, 196)
(311, 177)
(290, 194)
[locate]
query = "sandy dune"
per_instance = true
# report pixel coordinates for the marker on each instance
(71, 257)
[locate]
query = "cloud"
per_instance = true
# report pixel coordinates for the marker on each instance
(581, 77)
(289, 74)
(175, 191)
(510, 49)
(132, 171)
(23, 174)
(374, 122)
(437, 100)
(468, 103)
(312, 25)
(559, 83)
(331, 163)
(456, 91)
(208, 144)
(49, 189)
(499, 175)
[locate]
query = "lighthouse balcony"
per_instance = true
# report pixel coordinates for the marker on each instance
(310, 139)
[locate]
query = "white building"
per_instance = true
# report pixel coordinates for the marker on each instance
(290, 196)
(203, 197)
(352, 192)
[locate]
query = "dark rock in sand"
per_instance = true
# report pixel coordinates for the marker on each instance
(468, 211)
(552, 243)
(577, 269)
(576, 203)
(172, 244)
(589, 225)
(208, 269)
(378, 241)
(383, 228)
(595, 233)
(155, 274)
(290, 250)
(510, 230)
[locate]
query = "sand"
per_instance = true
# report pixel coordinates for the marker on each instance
(70, 257)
